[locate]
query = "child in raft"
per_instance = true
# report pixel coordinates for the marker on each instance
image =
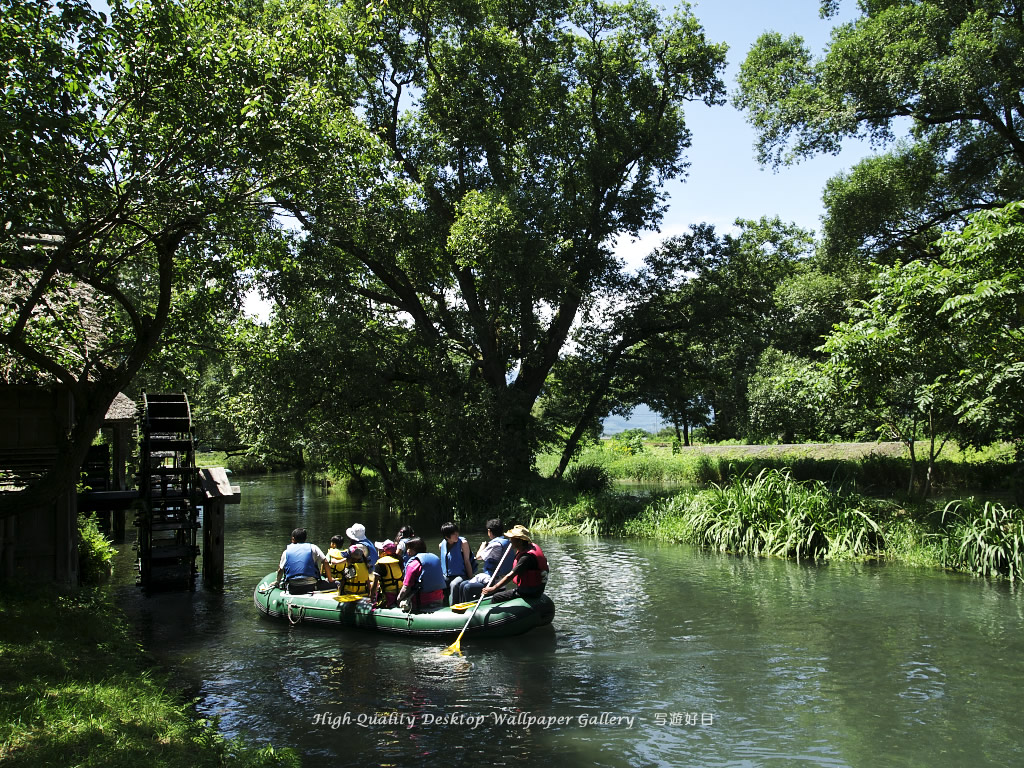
(386, 579)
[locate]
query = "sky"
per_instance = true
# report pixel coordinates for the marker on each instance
(724, 181)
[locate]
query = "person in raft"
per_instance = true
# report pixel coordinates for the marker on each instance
(355, 572)
(357, 535)
(529, 571)
(456, 562)
(300, 559)
(386, 579)
(334, 564)
(489, 555)
(423, 585)
(404, 536)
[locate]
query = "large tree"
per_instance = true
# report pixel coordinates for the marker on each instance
(128, 194)
(950, 71)
(469, 180)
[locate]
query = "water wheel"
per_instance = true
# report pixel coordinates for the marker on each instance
(169, 518)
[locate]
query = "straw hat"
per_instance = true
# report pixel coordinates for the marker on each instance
(518, 532)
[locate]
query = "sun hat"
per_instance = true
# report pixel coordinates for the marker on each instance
(357, 532)
(387, 546)
(518, 532)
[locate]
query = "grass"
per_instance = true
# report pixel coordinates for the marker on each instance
(775, 515)
(770, 515)
(869, 467)
(88, 697)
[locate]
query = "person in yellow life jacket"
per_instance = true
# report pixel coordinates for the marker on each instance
(334, 563)
(386, 579)
(355, 573)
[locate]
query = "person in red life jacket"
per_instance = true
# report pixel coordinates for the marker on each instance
(386, 579)
(423, 582)
(529, 571)
(300, 559)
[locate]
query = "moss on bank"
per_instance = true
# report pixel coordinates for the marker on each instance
(77, 691)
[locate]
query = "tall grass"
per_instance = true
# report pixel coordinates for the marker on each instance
(988, 541)
(770, 515)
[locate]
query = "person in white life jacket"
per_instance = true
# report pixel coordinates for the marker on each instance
(300, 559)
(529, 571)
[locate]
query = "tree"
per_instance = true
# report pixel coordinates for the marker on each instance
(468, 179)
(724, 288)
(979, 280)
(895, 363)
(127, 186)
(952, 70)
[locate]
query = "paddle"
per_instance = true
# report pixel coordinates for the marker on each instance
(454, 647)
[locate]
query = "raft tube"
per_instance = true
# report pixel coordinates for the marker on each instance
(511, 617)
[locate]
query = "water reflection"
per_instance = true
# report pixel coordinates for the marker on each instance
(719, 660)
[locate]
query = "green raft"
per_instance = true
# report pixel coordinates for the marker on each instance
(511, 617)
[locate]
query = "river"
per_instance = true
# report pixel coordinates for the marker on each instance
(659, 655)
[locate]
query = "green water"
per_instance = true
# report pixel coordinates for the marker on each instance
(658, 655)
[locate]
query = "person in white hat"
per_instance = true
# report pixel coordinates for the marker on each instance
(357, 534)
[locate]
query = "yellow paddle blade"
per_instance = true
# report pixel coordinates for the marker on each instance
(463, 607)
(454, 648)
(348, 598)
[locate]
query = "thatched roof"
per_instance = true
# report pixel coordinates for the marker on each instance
(122, 410)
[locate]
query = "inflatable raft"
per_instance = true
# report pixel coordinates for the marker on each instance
(511, 617)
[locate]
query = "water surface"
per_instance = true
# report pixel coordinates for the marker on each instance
(658, 655)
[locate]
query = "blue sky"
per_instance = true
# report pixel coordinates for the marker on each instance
(725, 181)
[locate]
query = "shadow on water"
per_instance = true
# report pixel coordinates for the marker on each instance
(658, 655)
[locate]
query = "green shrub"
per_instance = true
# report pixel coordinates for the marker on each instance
(987, 541)
(95, 552)
(589, 478)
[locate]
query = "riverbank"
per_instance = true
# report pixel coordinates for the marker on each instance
(775, 514)
(79, 691)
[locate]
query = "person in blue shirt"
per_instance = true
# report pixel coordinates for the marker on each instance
(300, 558)
(456, 562)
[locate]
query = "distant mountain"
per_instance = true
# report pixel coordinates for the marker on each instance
(641, 418)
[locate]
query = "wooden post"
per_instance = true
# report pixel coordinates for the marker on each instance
(213, 543)
(218, 492)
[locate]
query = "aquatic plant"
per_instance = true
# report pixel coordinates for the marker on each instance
(770, 515)
(987, 541)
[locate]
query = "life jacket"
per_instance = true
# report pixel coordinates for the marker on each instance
(392, 581)
(334, 566)
(534, 578)
(371, 556)
(453, 563)
(357, 581)
(298, 561)
(491, 562)
(431, 578)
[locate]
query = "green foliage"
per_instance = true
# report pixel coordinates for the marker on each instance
(629, 442)
(769, 515)
(78, 691)
(589, 478)
(951, 68)
(987, 540)
(95, 552)
(457, 188)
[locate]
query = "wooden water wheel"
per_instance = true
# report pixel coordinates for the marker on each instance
(169, 517)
